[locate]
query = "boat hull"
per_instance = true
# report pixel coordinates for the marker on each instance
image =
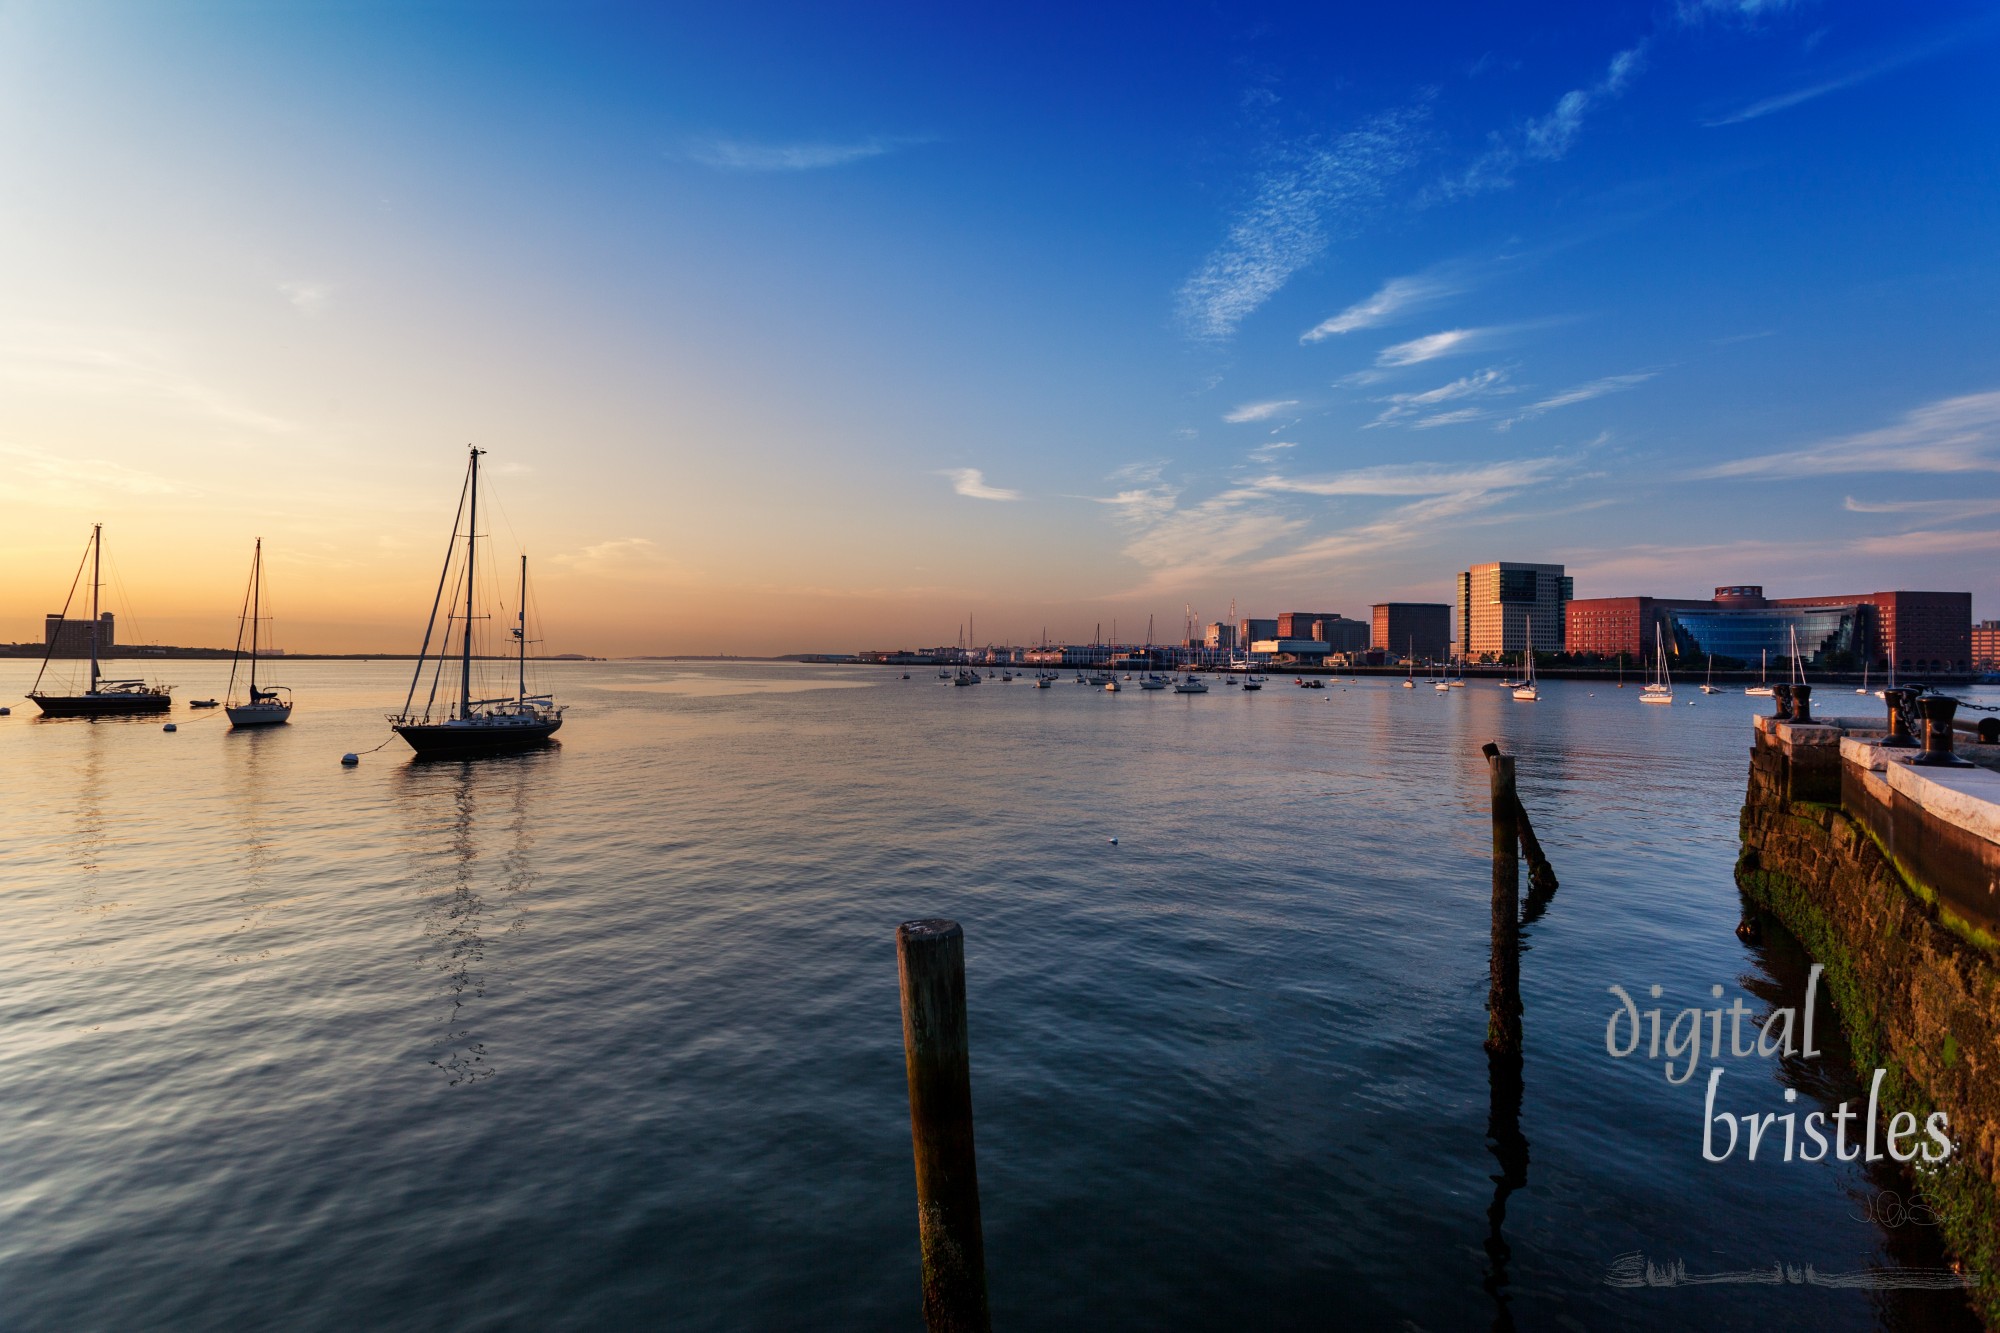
(101, 705)
(456, 740)
(259, 715)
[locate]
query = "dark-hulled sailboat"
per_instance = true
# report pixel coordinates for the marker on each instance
(103, 698)
(473, 727)
(264, 708)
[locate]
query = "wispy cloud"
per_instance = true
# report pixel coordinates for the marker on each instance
(1583, 393)
(620, 558)
(1422, 478)
(1259, 411)
(1946, 511)
(1397, 296)
(1432, 346)
(1266, 453)
(1402, 406)
(1545, 138)
(1839, 82)
(1965, 542)
(1951, 435)
(727, 154)
(36, 476)
(1316, 194)
(971, 483)
(97, 369)
(308, 298)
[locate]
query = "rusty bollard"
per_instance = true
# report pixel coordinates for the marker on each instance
(930, 962)
(1782, 694)
(1801, 703)
(1938, 712)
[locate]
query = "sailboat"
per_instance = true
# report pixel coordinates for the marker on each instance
(103, 698)
(264, 707)
(1864, 678)
(1708, 685)
(1659, 690)
(1763, 665)
(1526, 691)
(474, 726)
(1410, 681)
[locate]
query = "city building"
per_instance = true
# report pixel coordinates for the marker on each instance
(1918, 631)
(1986, 646)
(1251, 630)
(1504, 607)
(1309, 651)
(1400, 629)
(71, 638)
(1341, 635)
(1220, 637)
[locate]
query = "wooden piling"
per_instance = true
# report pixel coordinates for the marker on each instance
(1503, 994)
(930, 963)
(1541, 875)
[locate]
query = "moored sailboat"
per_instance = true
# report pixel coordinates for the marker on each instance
(264, 708)
(101, 697)
(472, 726)
(1660, 690)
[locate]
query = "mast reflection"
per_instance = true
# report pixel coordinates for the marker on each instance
(472, 845)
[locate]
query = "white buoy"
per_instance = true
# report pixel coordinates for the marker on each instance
(350, 760)
(1113, 841)
(170, 727)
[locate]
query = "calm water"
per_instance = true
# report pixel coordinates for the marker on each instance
(607, 1036)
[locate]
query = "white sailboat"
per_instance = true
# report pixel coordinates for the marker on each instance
(264, 707)
(1864, 678)
(1763, 666)
(1526, 691)
(1708, 685)
(1410, 681)
(1659, 690)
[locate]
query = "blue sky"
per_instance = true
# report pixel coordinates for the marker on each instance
(801, 327)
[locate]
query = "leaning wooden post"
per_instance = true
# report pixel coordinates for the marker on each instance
(930, 961)
(1503, 995)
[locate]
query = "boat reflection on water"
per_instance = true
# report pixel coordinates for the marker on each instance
(471, 845)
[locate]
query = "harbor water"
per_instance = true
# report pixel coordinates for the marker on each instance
(606, 1036)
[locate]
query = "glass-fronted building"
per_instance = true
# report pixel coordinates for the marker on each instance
(1841, 633)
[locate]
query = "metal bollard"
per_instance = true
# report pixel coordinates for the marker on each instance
(1782, 694)
(1937, 753)
(1801, 703)
(1899, 737)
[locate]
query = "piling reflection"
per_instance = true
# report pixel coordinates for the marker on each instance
(1509, 1147)
(472, 846)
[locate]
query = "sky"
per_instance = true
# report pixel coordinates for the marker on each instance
(817, 328)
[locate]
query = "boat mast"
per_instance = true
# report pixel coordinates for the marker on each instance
(96, 556)
(471, 541)
(521, 614)
(256, 609)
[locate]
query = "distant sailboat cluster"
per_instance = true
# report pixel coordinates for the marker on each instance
(459, 726)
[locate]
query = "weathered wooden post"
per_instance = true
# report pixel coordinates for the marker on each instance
(930, 963)
(1503, 992)
(1541, 875)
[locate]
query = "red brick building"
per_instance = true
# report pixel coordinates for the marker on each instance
(1918, 631)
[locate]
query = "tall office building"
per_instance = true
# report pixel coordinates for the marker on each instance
(1504, 607)
(71, 638)
(1221, 637)
(1403, 628)
(1986, 646)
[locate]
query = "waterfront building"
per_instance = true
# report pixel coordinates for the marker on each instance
(1341, 635)
(1986, 646)
(1303, 651)
(71, 637)
(1918, 631)
(1220, 637)
(1504, 607)
(1251, 630)
(1399, 628)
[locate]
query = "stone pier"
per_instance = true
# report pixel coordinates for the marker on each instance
(1889, 873)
